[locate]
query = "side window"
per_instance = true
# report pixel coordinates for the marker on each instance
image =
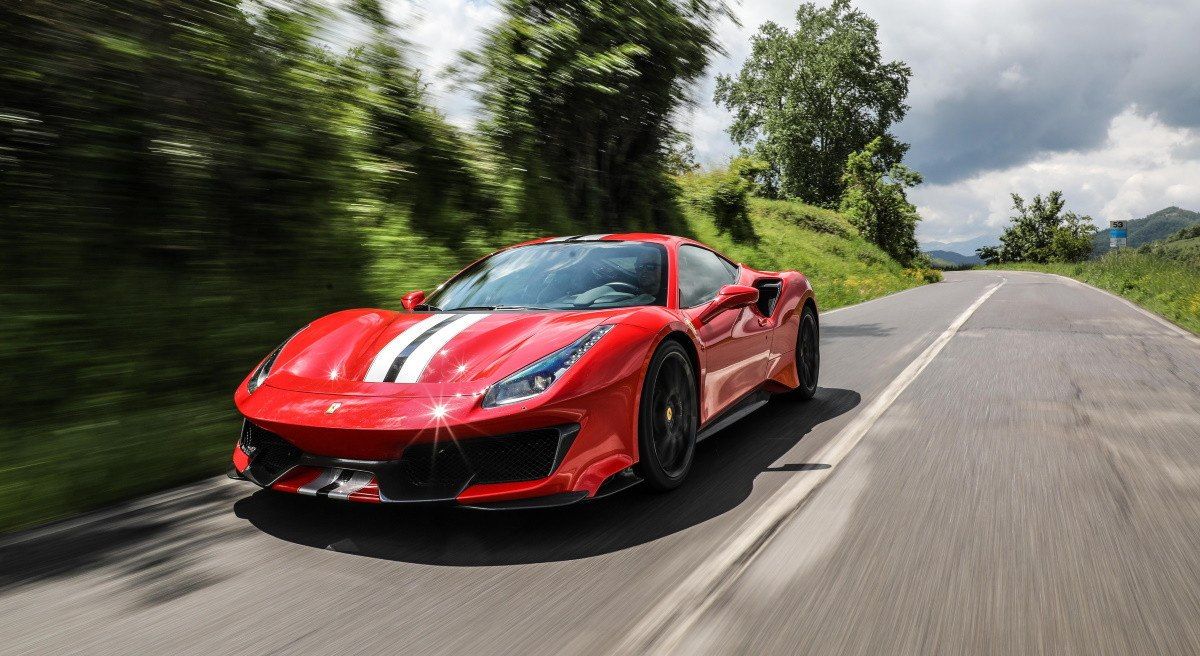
(702, 273)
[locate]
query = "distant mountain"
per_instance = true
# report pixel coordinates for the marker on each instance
(1153, 227)
(964, 247)
(952, 258)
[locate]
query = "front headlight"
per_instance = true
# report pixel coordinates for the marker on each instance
(264, 369)
(539, 376)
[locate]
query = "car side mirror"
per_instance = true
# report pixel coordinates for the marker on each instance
(412, 299)
(731, 297)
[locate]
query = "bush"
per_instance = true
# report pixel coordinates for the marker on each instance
(729, 203)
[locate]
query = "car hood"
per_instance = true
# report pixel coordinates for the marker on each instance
(384, 353)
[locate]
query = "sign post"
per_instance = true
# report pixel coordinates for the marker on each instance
(1118, 235)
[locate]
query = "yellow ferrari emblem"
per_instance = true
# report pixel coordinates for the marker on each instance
(333, 407)
(670, 413)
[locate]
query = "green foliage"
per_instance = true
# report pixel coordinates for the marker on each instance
(843, 267)
(422, 162)
(580, 95)
(1041, 232)
(727, 200)
(1164, 285)
(755, 170)
(1182, 246)
(182, 185)
(1190, 232)
(681, 155)
(806, 99)
(1071, 240)
(876, 201)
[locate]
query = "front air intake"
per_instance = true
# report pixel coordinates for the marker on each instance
(524, 456)
(271, 456)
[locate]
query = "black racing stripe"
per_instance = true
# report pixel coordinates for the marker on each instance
(345, 476)
(394, 370)
(574, 237)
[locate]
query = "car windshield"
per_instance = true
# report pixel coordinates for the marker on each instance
(560, 276)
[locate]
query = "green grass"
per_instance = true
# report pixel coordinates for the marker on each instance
(843, 267)
(1183, 250)
(1166, 286)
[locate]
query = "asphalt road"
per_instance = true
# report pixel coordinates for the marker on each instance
(1000, 463)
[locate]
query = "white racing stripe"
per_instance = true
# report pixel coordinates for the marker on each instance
(420, 358)
(387, 355)
(357, 481)
(663, 628)
(324, 478)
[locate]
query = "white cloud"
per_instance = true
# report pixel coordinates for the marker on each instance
(1136, 170)
(1097, 99)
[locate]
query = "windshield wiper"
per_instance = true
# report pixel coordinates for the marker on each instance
(425, 307)
(497, 308)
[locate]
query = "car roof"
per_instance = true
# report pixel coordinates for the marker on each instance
(652, 237)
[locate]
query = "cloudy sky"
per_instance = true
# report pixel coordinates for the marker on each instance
(1099, 98)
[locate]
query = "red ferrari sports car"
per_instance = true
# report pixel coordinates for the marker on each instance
(546, 373)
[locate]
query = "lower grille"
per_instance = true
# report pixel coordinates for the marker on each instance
(270, 455)
(426, 471)
(524, 456)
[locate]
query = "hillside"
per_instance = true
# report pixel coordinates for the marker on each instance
(1183, 246)
(844, 268)
(950, 259)
(965, 247)
(1152, 227)
(1183, 249)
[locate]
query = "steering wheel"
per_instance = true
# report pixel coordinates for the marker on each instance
(624, 287)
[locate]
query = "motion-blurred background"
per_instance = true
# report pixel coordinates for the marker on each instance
(183, 183)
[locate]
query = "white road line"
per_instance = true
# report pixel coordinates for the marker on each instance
(662, 629)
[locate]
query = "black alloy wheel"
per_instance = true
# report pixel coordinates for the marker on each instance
(668, 418)
(808, 355)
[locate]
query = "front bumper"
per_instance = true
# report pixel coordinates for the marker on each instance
(425, 472)
(595, 436)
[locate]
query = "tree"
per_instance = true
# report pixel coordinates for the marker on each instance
(422, 160)
(729, 203)
(756, 171)
(579, 97)
(1041, 232)
(680, 158)
(876, 201)
(1072, 240)
(808, 98)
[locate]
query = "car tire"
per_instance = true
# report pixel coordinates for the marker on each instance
(668, 418)
(808, 355)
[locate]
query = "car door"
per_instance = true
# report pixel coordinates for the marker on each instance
(734, 344)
